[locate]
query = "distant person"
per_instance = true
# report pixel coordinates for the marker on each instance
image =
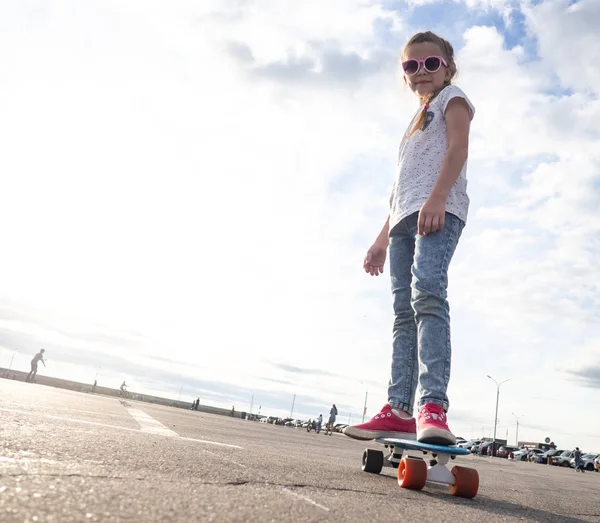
(197, 404)
(34, 365)
(319, 422)
(577, 457)
(123, 390)
(332, 417)
(233, 411)
(94, 385)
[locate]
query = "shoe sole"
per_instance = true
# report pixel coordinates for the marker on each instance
(435, 436)
(367, 435)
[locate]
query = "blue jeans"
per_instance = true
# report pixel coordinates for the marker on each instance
(421, 335)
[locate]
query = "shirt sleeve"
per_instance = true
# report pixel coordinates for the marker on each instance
(452, 91)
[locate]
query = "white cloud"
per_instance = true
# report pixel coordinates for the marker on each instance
(568, 40)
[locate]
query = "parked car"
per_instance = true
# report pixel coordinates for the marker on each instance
(518, 454)
(562, 460)
(543, 458)
(525, 454)
(505, 450)
(482, 449)
(592, 460)
(533, 453)
(587, 461)
(470, 444)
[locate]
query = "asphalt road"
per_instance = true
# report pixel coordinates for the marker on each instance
(69, 456)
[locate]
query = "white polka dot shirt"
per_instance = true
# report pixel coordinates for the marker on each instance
(420, 161)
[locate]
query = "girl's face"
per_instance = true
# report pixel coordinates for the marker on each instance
(426, 79)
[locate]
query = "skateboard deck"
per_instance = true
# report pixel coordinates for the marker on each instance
(414, 472)
(409, 444)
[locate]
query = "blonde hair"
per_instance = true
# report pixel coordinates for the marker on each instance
(448, 53)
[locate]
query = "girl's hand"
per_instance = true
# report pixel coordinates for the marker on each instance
(375, 259)
(432, 216)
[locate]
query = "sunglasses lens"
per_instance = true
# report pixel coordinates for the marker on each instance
(410, 66)
(432, 64)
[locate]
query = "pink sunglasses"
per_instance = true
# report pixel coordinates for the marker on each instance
(431, 64)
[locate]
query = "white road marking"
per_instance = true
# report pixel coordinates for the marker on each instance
(98, 424)
(148, 424)
(304, 498)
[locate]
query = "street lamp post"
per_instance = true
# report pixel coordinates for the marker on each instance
(496, 418)
(365, 407)
(517, 418)
(11, 360)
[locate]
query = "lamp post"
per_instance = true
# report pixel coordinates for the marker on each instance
(517, 418)
(496, 418)
(365, 407)
(11, 360)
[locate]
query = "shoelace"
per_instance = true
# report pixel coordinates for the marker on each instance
(427, 414)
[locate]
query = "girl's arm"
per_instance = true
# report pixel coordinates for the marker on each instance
(458, 123)
(375, 258)
(384, 236)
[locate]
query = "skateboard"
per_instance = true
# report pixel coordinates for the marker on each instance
(414, 472)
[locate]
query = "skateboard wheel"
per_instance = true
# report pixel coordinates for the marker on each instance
(372, 461)
(466, 482)
(412, 473)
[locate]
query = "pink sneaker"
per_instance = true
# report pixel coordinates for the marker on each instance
(385, 425)
(433, 426)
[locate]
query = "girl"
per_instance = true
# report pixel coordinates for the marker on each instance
(428, 210)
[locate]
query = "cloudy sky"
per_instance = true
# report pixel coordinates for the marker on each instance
(189, 188)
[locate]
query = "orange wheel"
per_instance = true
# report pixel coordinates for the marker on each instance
(412, 473)
(467, 482)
